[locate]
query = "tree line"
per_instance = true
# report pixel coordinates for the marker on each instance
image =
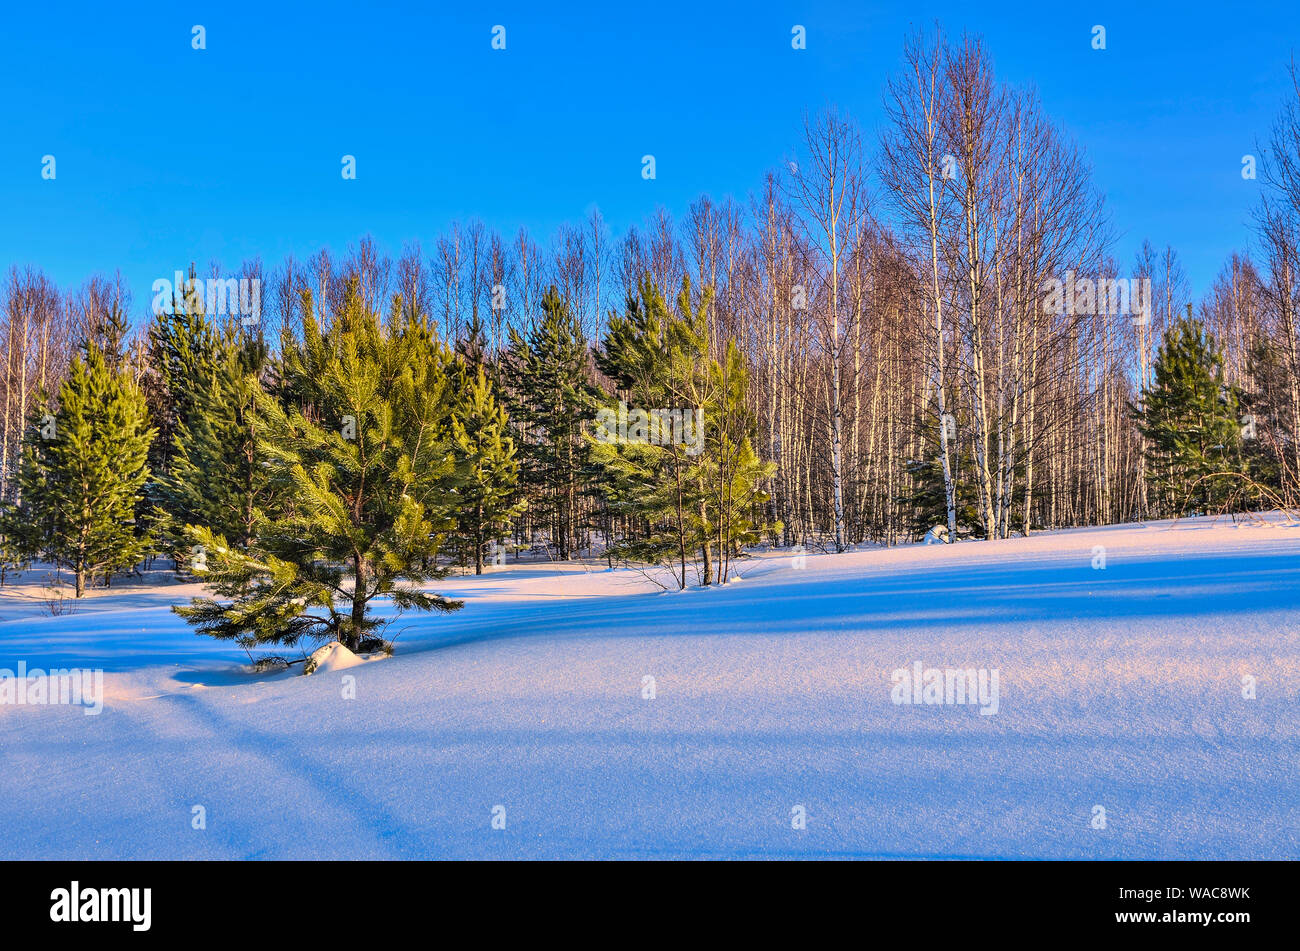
(365, 455)
(867, 341)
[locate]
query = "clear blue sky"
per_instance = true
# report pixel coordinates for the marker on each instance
(167, 155)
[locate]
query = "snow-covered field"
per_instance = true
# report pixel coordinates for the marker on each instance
(1119, 687)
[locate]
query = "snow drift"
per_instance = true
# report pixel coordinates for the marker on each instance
(1145, 709)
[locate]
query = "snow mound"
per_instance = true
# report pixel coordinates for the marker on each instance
(936, 536)
(333, 656)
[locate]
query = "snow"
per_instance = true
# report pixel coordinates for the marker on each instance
(937, 535)
(1120, 687)
(329, 658)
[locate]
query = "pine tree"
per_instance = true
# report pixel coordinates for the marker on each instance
(645, 484)
(1269, 428)
(218, 477)
(9, 555)
(733, 473)
(552, 399)
(365, 443)
(926, 500)
(82, 471)
(184, 354)
(1190, 419)
(473, 348)
(692, 486)
(109, 334)
(490, 471)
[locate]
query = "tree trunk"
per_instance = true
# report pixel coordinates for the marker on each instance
(352, 639)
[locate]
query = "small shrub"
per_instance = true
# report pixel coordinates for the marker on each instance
(57, 602)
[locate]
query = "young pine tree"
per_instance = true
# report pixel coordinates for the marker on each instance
(646, 484)
(925, 501)
(109, 335)
(1190, 419)
(10, 557)
(218, 478)
(678, 494)
(489, 469)
(364, 443)
(734, 474)
(1269, 425)
(82, 471)
(552, 400)
(183, 355)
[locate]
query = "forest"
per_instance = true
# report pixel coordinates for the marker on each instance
(912, 332)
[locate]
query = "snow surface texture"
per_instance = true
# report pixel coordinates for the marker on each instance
(1120, 687)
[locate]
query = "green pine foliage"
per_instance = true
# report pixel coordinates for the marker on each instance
(109, 335)
(733, 473)
(926, 502)
(551, 401)
(183, 355)
(679, 493)
(1269, 426)
(365, 447)
(473, 348)
(84, 464)
(217, 476)
(1191, 420)
(644, 484)
(10, 558)
(488, 497)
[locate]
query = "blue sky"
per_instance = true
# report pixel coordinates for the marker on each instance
(166, 155)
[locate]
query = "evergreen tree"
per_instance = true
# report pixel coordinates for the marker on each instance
(109, 334)
(733, 472)
(474, 347)
(490, 471)
(1190, 419)
(365, 443)
(552, 399)
(82, 471)
(690, 487)
(9, 555)
(1269, 428)
(218, 478)
(184, 351)
(646, 484)
(926, 502)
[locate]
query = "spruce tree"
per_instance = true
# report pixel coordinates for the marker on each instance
(1190, 419)
(364, 441)
(83, 467)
